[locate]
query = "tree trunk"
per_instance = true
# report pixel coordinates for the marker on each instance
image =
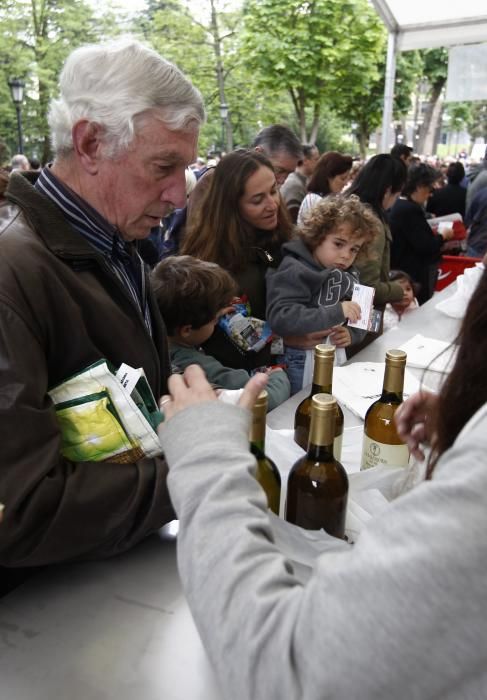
(426, 144)
(227, 135)
(315, 125)
(363, 139)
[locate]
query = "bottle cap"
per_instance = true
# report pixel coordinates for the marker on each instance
(324, 402)
(327, 351)
(322, 425)
(396, 358)
(261, 399)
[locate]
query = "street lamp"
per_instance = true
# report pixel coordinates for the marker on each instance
(17, 91)
(223, 117)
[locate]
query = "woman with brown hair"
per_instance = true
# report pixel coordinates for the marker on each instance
(330, 176)
(240, 225)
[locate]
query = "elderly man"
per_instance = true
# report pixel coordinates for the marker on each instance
(73, 290)
(19, 162)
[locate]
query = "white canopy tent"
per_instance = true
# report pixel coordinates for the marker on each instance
(424, 24)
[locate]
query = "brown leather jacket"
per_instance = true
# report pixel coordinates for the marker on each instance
(61, 309)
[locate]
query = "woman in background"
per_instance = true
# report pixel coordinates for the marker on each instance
(416, 248)
(451, 198)
(240, 225)
(330, 176)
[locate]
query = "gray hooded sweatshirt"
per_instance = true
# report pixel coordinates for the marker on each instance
(305, 297)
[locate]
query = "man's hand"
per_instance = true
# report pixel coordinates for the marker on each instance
(192, 388)
(413, 421)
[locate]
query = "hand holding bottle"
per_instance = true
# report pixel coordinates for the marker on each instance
(413, 421)
(351, 310)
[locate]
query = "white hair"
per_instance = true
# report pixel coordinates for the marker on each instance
(19, 162)
(116, 85)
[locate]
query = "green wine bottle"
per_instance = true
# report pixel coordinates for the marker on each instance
(267, 474)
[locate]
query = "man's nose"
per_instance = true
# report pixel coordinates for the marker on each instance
(175, 191)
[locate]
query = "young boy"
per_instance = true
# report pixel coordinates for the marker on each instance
(394, 312)
(311, 289)
(192, 294)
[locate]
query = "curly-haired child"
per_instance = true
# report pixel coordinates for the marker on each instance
(312, 288)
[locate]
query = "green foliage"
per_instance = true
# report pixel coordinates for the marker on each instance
(435, 66)
(37, 35)
(324, 53)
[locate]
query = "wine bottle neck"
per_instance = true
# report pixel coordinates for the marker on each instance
(393, 382)
(392, 396)
(257, 427)
(320, 389)
(320, 453)
(322, 375)
(257, 447)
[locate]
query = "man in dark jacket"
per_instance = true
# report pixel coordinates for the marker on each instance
(73, 291)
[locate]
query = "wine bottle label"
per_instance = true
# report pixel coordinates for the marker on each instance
(337, 447)
(378, 454)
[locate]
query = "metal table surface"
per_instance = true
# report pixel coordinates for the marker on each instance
(120, 629)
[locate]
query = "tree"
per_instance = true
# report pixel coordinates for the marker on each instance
(322, 52)
(435, 69)
(37, 37)
(203, 47)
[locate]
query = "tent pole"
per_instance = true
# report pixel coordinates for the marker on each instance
(388, 92)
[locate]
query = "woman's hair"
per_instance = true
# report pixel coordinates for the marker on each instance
(378, 175)
(455, 173)
(329, 165)
(331, 212)
(117, 84)
(420, 175)
(218, 232)
(465, 389)
(189, 291)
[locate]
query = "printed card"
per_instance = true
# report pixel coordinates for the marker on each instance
(364, 297)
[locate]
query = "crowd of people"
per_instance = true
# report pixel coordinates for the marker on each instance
(273, 236)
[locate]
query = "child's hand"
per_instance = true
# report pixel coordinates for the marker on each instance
(351, 310)
(340, 336)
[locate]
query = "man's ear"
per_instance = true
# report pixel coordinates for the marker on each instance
(87, 144)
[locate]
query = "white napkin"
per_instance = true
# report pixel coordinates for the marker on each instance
(358, 385)
(429, 353)
(455, 306)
